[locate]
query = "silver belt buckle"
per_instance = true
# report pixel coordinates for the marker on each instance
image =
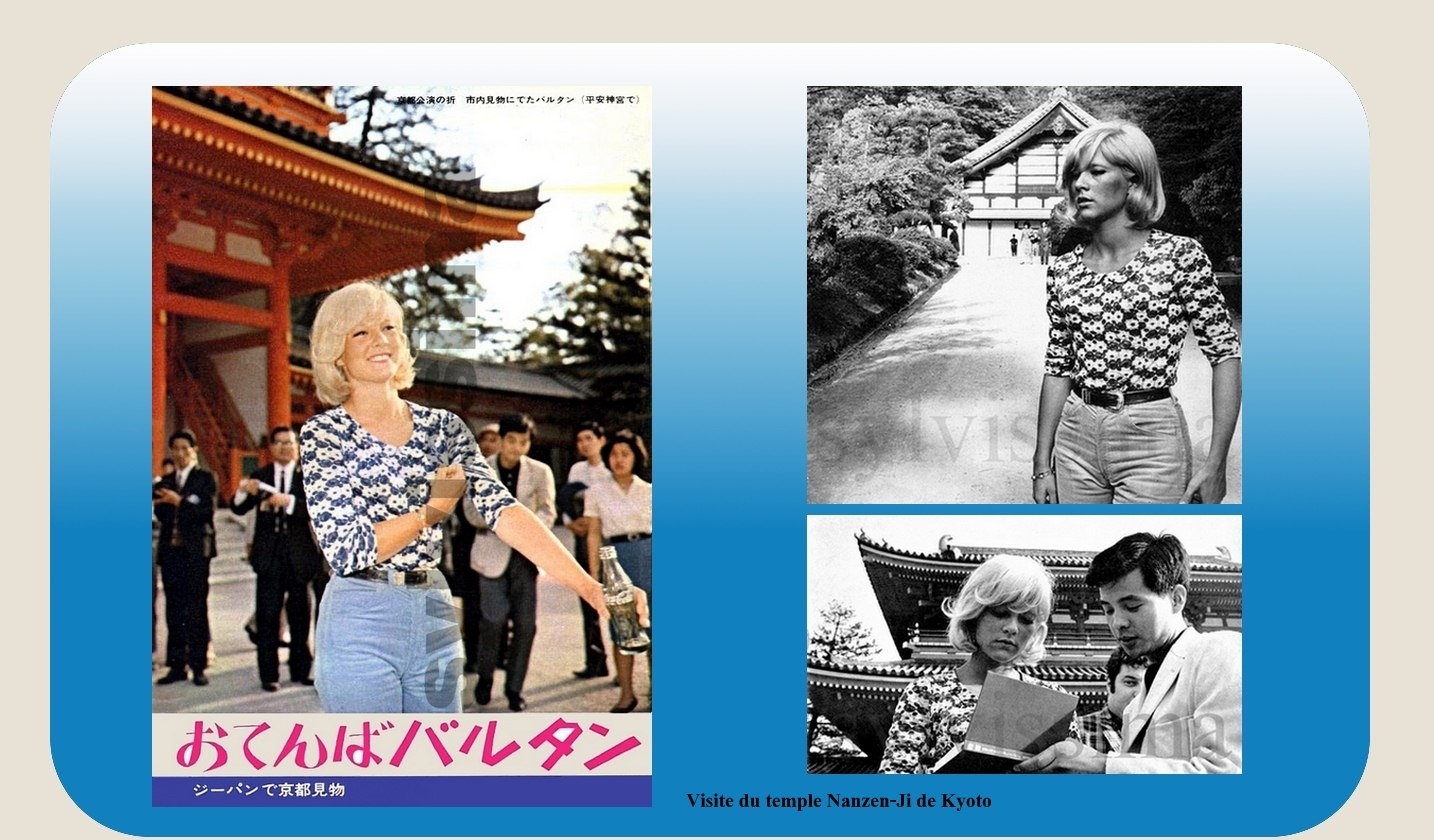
(1119, 400)
(395, 578)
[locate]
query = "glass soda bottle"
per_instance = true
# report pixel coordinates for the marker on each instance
(617, 592)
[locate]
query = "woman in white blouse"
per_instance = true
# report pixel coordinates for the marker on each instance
(620, 515)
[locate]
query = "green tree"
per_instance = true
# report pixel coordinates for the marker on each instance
(600, 325)
(404, 132)
(876, 165)
(839, 636)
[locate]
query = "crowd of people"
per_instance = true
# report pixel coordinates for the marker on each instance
(398, 517)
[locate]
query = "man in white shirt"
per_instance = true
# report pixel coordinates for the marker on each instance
(184, 505)
(284, 556)
(1186, 717)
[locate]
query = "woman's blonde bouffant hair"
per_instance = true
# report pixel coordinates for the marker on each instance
(1126, 146)
(1020, 584)
(340, 312)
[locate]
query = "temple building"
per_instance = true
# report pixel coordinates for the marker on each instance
(1013, 180)
(860, 697)
(253, 205)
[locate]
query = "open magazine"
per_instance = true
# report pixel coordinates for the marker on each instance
(1013, 721)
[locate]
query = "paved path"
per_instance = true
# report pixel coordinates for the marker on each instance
(941, 409)
(234, 677)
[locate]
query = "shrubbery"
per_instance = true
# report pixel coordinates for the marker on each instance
(868, 278)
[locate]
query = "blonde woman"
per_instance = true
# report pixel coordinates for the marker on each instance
(1000, 619)
(381, 474)
(1108, 428)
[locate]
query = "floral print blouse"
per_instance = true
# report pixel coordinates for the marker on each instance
(353, 480)
(931, 718)
(1123, 330)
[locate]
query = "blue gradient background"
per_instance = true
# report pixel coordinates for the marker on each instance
(729, 436)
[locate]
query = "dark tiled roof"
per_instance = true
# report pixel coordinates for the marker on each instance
(526, 199)
(996, 144)
(451, 370)
(1062, 673)
(1051, 558)
(440, 369)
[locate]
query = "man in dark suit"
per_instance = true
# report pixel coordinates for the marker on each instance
(284, 557)
(184, 505)
(463, 582)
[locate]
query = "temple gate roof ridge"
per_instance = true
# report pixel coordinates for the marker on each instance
(909, 669)
(974, 555)
(467, 189)
(1017, 132)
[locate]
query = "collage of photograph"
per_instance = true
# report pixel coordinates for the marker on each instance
(1015, 296)
(975, 508)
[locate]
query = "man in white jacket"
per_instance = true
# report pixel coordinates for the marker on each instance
(1186, 718)
(508, 581)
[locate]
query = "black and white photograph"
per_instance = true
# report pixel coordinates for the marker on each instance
(1024, 294)
(1024, 644)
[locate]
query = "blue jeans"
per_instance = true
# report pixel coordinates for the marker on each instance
(1137, 453)
(385, 648)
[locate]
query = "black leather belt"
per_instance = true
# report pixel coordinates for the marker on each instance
(633, 537)
(412, 577)
(1117, 399)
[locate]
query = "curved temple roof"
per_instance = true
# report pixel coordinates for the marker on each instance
(525, 199)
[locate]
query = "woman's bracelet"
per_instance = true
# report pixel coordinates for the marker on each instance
(1043, 473)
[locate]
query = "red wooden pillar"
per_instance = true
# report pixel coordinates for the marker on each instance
(159, 355)
(280, 403)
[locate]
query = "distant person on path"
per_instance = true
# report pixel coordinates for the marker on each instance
(1015, 244)
(488, 440)
(381, 473)
(1108, 427)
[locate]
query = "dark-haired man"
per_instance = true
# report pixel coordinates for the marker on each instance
(508, 581)
(184, 505)
(1123, 678)
(1186, 714)
(284, 556)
